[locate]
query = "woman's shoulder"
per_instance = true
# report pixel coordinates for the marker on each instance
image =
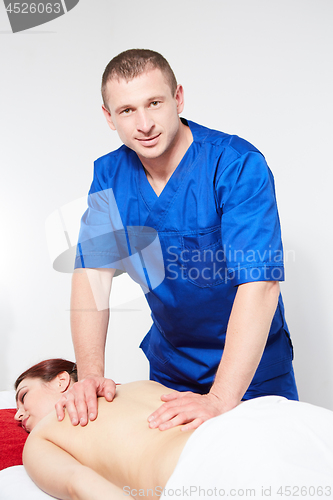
(48, 423)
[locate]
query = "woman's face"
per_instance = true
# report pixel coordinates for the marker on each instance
(36, 399)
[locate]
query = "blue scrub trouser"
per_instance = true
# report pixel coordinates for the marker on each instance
(283, 385)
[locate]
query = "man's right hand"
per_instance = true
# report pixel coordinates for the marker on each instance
(81, 399)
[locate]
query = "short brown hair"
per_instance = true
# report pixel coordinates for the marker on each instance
(134, 62)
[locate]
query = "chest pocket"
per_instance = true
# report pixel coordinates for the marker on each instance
(203, 258)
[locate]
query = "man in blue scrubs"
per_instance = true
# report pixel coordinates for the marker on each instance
(190, 213)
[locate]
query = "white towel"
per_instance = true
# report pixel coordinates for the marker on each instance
(265, 447)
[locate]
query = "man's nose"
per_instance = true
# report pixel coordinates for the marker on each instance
(144, 122)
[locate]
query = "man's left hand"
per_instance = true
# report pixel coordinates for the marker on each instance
(185, 408)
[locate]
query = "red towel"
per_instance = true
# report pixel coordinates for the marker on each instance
(12, 439)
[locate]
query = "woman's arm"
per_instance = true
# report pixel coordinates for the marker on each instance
(55, 471)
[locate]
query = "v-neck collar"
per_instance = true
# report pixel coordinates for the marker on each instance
(146, 188)
(158, 206)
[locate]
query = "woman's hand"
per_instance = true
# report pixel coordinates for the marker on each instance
(81, 399)
(187, 409)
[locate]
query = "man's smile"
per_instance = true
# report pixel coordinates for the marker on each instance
(149, 141)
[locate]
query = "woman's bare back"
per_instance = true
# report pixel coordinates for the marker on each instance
(119, 445)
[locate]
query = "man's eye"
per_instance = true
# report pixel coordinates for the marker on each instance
(154, 103)
(126, 111)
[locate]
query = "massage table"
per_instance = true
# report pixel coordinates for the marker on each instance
(266, 447)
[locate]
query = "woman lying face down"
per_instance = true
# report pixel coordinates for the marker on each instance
(117, 450)
(267, 440)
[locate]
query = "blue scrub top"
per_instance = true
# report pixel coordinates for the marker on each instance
(214, 226)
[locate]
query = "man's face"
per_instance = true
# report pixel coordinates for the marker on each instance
(145, 113)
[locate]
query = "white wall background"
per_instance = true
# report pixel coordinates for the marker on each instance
(259, 68)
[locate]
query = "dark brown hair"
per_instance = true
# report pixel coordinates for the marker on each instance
(134, 62)
(48, 370)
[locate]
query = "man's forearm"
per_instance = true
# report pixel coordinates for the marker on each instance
(247, 332)
(89, 319)
(89, 322)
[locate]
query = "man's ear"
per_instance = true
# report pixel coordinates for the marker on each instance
(62, 382)
(107, 115)
(179, 96)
